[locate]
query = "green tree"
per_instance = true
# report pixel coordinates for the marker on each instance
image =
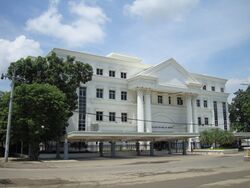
(240, 111)
(40, 112)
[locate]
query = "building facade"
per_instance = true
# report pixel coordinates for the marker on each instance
(128, 96)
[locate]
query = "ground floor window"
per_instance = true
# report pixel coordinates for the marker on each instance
(99, 116)
(124, 117)
(111, 116)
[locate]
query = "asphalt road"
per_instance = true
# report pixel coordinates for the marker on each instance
(130, 172)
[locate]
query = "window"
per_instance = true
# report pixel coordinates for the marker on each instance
(111, 94)
(198, 103)
(124, 95)
(213, 88)
(179, 101)
(199, 121)
(204, 87)
(160, 100)
(111, 116)
(82, 108)
(169, 100)
(206, 121)
(124, 117)
(99, 116)
(222, 90)
(224, 115)
(215, 114)
(99, 93)
(99, 71)
(205, 103)
(123, 75)
(111, 73)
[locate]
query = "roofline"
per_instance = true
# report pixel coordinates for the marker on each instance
(209, 77)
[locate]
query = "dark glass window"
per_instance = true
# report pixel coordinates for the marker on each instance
(123, 75)
(215, 114)
(213, 88)
(111, 116)
(206, 121)
(111, 94)
(82, 108)
(160, 99)
(198, 103)
(124, 95)
(124, 117)
(99, 116)
(99, 71)
(111, 73)
(204, 87)
(169, 100)
(179, 101)
(205, 103)
(99, 93)
(199, 121)
(224, 115)
(222, 90)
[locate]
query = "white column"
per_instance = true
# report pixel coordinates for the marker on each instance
(148, 117)
(195, 120)
(189, 114)
(140, 111)
(212, 112)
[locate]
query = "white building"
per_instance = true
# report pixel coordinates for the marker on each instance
(128, 96)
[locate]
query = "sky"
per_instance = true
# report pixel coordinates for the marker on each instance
(208, 37)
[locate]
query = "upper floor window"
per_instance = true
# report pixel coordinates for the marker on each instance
(99, 116)
(198, 103)
(213, 88)
(199, 120)
(99, 71)
(124, 117)
(123, 75)
(111, 94)
(169, 100)
(99, 93)
(111, 116)
(160, 100)
(222, 89)
(124, 95)
(111, 73)
(205, 103)
(206, 121)
(179, 101)
(204, 87)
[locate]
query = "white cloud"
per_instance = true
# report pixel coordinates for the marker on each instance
(13, 50)
(87, 26)
(235, 84)
(160, 9)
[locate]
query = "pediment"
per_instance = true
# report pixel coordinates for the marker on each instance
(171, 73)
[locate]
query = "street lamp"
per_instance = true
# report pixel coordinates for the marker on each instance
(7, 142)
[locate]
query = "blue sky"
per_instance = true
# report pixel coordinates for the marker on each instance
(209, 37)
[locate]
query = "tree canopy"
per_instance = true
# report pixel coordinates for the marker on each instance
(240, 111)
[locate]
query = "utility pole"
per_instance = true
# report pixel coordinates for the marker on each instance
(7, 142)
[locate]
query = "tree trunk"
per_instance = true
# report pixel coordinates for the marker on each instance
(57, 150)
(33, 151)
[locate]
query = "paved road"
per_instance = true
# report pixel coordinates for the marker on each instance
(133, 172)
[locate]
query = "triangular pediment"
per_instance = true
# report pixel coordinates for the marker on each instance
(171, 73)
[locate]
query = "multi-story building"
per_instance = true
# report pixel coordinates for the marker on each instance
(126, 95)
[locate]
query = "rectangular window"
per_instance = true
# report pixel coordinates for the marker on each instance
(213, 88)
(124, 117)
(160, 100)
(224, 115)
(198, 103)
(99, 93)
(123, 75)
(204, 87)
(111, 116)
(111, 73)
(124, 95)
(215, 114)
(205, 103)
(111, 94)
(222, 90)
(82, 108)
(169, 100)
(179, 101)
(199, 121)
(99, 116)
(206, 121)
(99, 71)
